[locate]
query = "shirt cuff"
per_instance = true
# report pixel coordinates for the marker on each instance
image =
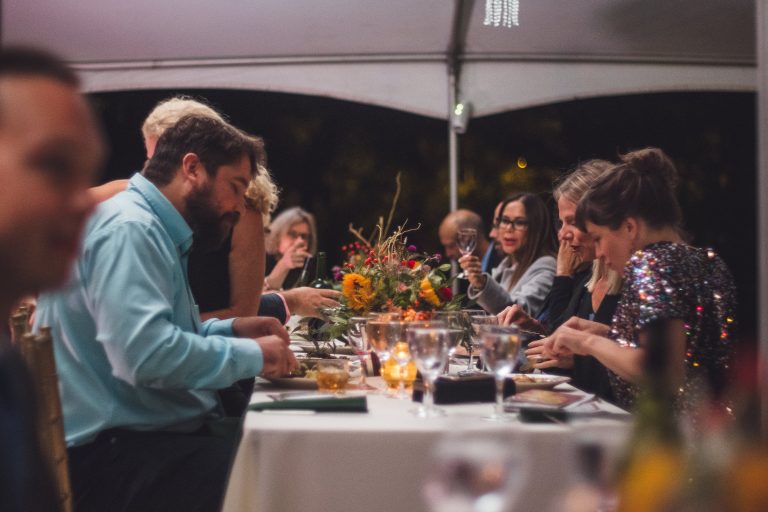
(217, 327)
(247, 356)
(285, 304)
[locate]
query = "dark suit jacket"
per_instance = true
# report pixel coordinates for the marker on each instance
(26, 483)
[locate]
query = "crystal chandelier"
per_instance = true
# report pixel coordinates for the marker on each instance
(502, 12)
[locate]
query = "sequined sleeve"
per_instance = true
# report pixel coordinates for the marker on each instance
(654, 287)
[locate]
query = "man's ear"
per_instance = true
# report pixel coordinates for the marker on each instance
(192, 169)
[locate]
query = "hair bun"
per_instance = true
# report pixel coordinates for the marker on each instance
(652, 163)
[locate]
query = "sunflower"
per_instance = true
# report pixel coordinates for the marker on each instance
(427, 292)
(357, 290)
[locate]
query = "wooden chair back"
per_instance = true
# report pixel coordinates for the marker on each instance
(37, 351)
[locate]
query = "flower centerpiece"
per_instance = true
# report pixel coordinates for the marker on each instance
(385, 273)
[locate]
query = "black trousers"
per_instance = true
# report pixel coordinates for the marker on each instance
(125, 470)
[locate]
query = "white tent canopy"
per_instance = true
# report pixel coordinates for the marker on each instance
(395, 53)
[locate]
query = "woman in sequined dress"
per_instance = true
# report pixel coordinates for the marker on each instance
(634, 219)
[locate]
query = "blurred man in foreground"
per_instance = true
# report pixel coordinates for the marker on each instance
(50, 150)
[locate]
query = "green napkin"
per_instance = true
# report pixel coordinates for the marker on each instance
(324, 404)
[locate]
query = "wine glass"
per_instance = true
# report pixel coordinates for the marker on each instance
(400, 353)
(474, 474)
(599, 448)
(500, 346)
(358, 341)
(429, 348)
(453, 320)
(383, 336)
(475, 323)
(466, 241)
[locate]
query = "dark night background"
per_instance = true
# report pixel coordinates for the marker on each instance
(339, 159)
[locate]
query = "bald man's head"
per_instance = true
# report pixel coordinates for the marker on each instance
(461, 219)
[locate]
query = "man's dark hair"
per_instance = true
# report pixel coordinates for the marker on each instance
(215, 144)
(24, 61)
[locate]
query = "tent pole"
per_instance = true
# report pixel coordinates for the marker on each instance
(453, 142)
(453, 160)
(762, 206)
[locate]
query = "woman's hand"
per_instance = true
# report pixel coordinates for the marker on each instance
(566, 341)
(472, 267)
(568, 260)
(516, 315)
(295, 256)
(588, 326)
(541, 358)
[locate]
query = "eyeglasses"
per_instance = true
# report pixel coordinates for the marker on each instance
(517, 224)
(293, 235)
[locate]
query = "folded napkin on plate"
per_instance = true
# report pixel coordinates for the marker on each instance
(319, 404)
(454, 389)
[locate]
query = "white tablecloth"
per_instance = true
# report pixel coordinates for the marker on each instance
(376, 462)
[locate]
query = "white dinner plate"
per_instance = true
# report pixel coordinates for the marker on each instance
(526, 381)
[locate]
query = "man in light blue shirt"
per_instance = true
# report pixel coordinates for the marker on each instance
(138, 370)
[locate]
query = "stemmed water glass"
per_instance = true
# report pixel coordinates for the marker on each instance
(453, 320)
(358, 341)
(383, 335)
(500, 346)
(466, 241)
(475, 474)
(598, 451)
(430, 347)
(475, 321)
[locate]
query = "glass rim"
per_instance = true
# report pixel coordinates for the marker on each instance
(446, 330)
(499, 329)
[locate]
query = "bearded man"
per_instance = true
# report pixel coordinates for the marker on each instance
(138, 370)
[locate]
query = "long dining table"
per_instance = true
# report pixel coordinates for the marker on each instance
(378, 461)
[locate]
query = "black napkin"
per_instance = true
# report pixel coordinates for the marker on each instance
(455, 389)
(320, 404)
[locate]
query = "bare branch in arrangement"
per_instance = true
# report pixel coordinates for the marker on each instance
(380, 231)
(359, 234)
(398, 188)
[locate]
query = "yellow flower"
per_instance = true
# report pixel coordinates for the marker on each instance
(357, 290)
(428, 293)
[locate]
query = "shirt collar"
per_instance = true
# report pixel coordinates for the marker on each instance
(169, 216)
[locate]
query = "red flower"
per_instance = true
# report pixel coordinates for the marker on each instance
(446, 293)
(411, 263)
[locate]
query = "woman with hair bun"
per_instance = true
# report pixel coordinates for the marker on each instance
(634, 219)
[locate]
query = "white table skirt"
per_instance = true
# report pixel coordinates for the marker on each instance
(376, 462)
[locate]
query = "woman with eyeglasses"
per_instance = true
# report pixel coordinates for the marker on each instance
(292, 238)
(525, 275)
(633, 217)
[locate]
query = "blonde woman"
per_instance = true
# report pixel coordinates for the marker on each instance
(584, 287)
